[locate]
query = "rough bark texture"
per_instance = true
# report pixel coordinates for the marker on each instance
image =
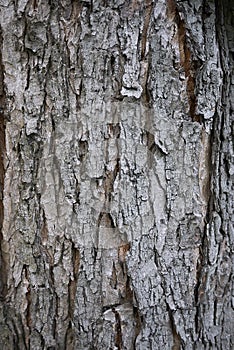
(116, 174)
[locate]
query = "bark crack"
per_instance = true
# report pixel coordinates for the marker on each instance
(73, 282)
(3, 260)
(118, 330)
(188, 66)
(176, 336)
(148, 11)
(186, 61)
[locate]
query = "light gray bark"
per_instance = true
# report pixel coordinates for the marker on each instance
(116, 174)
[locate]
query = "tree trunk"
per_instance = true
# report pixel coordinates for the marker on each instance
(116, 174)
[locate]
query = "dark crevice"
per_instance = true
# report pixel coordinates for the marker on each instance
(114, 130)
(109, 307)
(144, 34)
(73, 282)
(138, 323)
(145, 57)
(118, 330)
(69, 337)
(188, 65)
(72, 287)
(187, 62)
(210, 197)
(128, 294)
(177, 342)
(113, 280)
(83, 149)
(3, 260)
(105, 220)
(28, 309)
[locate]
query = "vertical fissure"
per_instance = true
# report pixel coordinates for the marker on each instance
(28, 309)
(187, 62)
(144, 35)
(118, 330)
(3, 264)
(73, 282)
(188, 66)
(176, 337)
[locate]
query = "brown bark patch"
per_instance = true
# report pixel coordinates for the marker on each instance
(73, 282)
(187, 64)
(118, 330)
(171, 9)
(186, 61)
(144, 35)
(122, 252)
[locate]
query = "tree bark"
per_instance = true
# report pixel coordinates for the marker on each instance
(116, 174)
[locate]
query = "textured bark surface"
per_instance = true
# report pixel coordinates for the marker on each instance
(116, 174)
